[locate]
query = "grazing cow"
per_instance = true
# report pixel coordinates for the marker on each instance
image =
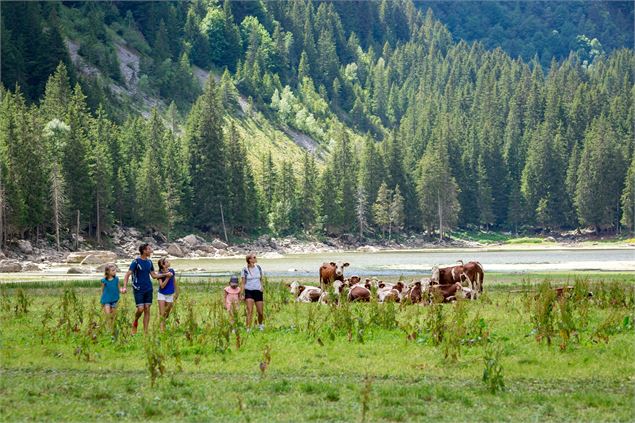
(330, 272)
(359, 292)
(471, 272)
(305, 294)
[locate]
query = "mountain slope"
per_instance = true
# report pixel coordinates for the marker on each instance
(410, 127)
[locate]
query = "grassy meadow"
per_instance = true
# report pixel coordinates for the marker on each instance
(518, 353)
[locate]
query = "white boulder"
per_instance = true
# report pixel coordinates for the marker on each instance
(99, 257)
(175, 250)
(218, 244)
(10, 266)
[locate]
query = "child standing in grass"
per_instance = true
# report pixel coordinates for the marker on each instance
(168, 290)
(110, 291)
(232, 297)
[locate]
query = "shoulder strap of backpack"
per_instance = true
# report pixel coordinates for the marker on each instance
(137, 267)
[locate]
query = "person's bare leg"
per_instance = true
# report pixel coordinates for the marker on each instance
(138, 312)
(146, 317)
(250, 310)
(113, 317)
(261, 313)
(162, 316)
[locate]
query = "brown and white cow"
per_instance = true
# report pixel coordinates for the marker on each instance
(331, 272)
(390, 292)
(445, 293)
(353, 280)
(359, 292)
(413, 293)
(471, 273)
(305, 293)
(336, 290)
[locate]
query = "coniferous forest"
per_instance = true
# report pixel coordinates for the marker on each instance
(415, 128)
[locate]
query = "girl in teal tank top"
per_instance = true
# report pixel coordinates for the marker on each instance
(110, 291)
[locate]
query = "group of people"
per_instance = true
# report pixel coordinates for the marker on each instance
(142, 271)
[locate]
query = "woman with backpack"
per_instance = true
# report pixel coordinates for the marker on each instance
(252, 290)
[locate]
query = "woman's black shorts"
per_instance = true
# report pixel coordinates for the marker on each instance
(254, 294)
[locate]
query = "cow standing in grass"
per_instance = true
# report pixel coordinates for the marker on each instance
(331, 272)
(471, 272)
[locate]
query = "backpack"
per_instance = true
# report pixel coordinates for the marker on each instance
(135, 273)
(246, 270)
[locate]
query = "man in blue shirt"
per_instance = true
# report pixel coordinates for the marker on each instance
(142, 270)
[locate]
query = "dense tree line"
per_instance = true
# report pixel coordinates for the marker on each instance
(546, 29)
(453, 134)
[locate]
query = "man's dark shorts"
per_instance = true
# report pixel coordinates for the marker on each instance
(254, 294)
(142, 298)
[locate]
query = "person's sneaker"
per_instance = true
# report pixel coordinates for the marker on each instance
(261, 327)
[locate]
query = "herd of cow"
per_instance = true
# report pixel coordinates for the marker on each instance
(444, 285)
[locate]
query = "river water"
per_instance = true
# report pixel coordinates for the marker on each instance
(420, 262)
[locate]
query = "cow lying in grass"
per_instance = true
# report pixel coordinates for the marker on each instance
(305, 293)
(388, 292)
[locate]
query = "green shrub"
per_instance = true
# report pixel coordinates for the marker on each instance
(493, 371)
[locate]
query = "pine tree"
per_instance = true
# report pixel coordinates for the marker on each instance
(228, 92)
(176, 180)
(150, 193)
(438, 190)
(544, 176)
(308, 211)
(161, 46)
(600, 177)
(304, 69)
(381, 208)
(484, 197)
(4, 112)
(269, 182)
(232, 38)
(342, 160)
(75, 164)
(101, 170)
(396, 212)
(628, 198)
(12, 206)
(327, 58)
(571, 181)
(199, 44)
(207, 158)
(26, 151)
(515, 208)
(361, 205)
(237, 209)
(371, 170)
(284, 212)
(56, 132)
(57, 95)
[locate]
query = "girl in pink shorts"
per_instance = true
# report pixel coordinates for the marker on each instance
(232, 297)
